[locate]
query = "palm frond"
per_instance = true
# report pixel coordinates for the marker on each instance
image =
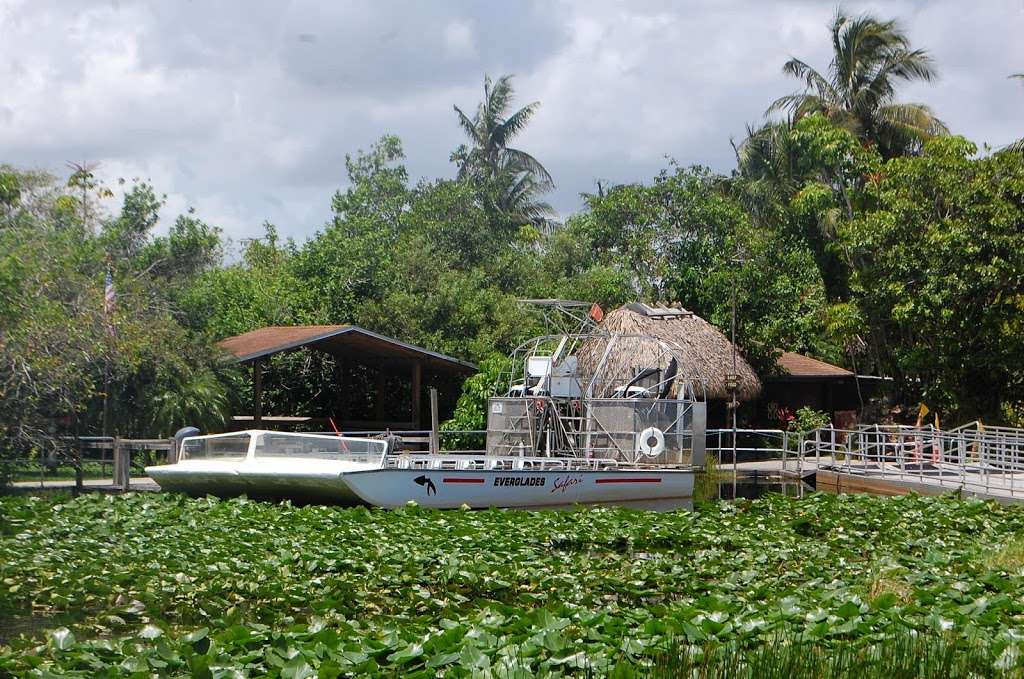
(521, 161)
(518, 199)
(916, 118)
(510, 178)
(869, 58)
(908, 65)
(467, 125)
(813, 80)
(497, 101)
(514, 124)
(1015, 147)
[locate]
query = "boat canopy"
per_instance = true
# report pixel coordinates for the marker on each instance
(276, 444)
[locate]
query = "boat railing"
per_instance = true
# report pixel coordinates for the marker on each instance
(478, 462)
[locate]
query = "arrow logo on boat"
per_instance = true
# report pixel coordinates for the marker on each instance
(424, 481)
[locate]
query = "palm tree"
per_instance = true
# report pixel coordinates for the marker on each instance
(511, 177)
(870, 58)
(768, 176)
(1017, 146)
(767, 168)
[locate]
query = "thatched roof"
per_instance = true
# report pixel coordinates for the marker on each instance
(700, 349)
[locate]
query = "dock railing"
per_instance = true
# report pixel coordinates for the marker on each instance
(973, 457)
(752, 445)
(90, 458)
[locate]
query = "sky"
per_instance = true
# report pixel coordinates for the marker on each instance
(245, 110)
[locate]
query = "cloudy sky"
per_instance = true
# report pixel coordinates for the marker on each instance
(245, 110)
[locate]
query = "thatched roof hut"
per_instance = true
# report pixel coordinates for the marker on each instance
(700, 349)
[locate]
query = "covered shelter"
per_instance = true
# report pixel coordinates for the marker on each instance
(376, 382)
(805, 381)
(705, 354)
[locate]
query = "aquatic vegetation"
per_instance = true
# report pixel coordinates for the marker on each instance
(156, 583)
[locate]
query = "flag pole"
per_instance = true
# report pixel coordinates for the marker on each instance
(108, 309)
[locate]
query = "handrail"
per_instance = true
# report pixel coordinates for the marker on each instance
(988, 460)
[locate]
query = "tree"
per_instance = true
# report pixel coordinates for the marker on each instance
(60, 346)
(803, 180)
(510, 179)
(677, 239)
(126, 235)
(348, 262)
(450, 282)
(870, 59)
(261, 289)
(939, 286)
(190, 248)
(767, 172)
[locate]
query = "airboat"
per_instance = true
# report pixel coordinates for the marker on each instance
(270, 465)
(593, 418)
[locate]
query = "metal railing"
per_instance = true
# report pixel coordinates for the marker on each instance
(763, 444)
(976, 458)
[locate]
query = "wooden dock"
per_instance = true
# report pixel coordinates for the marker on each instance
(876, 482)
(137, 483)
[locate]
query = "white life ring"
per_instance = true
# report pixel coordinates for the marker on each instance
(650, 442)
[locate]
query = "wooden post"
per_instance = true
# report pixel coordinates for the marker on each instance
(117, 462)
(435, 445)
(122, 462)
(257, 392)
(417, 385)
(126, 467)
(79, 472)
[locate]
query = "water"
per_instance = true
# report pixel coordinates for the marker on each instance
(749, 485)
(752, 485)
(14, 625)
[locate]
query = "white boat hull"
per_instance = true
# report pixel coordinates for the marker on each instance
(478, 489)
(304, 481)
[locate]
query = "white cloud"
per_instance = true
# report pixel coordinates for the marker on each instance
(246, 110)
(459, 40)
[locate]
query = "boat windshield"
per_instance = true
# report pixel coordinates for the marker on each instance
(218, 447)
(283, 444)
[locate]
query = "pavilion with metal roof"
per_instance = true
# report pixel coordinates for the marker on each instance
(367, 366)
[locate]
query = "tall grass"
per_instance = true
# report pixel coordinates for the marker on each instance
(705, 485)
(904, 655)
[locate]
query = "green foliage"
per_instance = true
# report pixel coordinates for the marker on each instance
(871, 57)
(197, 398)
(262, 289)
(171, 586)
(678, 238)
(507, 180)
(60, 349)
(349, 261)
(938, 276)
(908, 267)
(905, 654)
(471, 410)
(125, 236)
(10, 188)
(808, 419)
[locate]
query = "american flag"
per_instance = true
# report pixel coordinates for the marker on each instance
(108, 299)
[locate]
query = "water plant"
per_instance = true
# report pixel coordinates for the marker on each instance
(145, 584)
